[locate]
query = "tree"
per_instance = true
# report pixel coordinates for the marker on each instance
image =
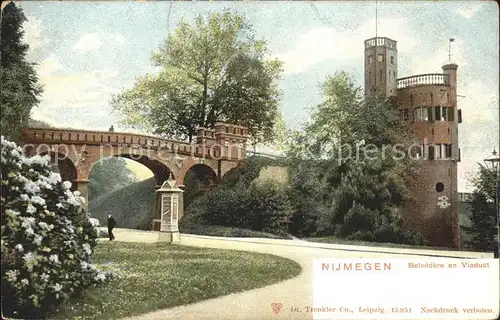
(279, 136)
(108, 175)
(213, 71)
(482, 212)
(19, 88)
(362, 147)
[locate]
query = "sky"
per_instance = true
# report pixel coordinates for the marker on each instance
(88, 51)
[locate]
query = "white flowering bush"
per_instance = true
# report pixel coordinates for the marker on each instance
(47, 239)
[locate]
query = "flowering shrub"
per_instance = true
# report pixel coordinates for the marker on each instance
(47, 239)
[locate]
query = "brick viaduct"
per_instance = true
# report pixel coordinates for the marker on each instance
(215, 152)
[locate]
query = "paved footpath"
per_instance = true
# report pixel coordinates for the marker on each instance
(256, 304)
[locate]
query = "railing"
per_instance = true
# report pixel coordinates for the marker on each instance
(97, 137)
(422, 80)
(380, 42)
(464, 197)
(265, 155)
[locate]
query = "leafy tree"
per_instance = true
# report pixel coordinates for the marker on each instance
(213, 71)
(19, 88)
(279, 136)
(311, 198)
(108, 175)
(32, 123)
(482, 212)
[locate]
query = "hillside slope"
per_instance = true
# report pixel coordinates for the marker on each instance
(131, 206)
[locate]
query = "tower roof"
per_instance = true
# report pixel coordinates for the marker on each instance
(450, 65)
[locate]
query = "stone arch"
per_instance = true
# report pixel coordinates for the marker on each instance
(203, 172)
(65, 166)
(198, 180)
(161, 171)
(229, 169)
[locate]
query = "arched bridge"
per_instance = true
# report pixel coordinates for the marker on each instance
(216, 151)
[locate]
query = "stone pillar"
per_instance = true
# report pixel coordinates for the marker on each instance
(169, 209)
(83, 187)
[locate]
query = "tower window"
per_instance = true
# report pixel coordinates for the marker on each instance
(404, 114)
(439, 187)
(431, 152)
(369, 77)
(416, 152)
(429, 114)
(380, 57)
(439, 150)
(370, 59)
(451, 114)
(442, 151)
(421, 114)
(392, 60)
(447, 151)
(381, 75)
(437, 116)
(444, 114)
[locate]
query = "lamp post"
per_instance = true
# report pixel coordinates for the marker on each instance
(493, 164)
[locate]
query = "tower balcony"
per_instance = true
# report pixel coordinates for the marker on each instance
(423, 80)
(380, 42)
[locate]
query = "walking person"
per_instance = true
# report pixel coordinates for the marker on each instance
(111, 225)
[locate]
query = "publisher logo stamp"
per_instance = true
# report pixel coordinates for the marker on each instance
(276, 307)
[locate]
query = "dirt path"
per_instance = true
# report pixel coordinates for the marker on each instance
(256, 304)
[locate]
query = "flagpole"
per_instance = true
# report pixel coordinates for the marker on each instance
(450, 40)
(449, 51)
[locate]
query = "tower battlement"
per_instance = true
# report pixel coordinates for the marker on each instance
(381, 42)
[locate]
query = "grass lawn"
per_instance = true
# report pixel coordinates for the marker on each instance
(335, 240)
(157, 276)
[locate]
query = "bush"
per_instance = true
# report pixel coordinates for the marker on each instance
(365, 224)
(47, 239)
(481, 229)
(310, 195)
(261, 206)
(270, 208)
